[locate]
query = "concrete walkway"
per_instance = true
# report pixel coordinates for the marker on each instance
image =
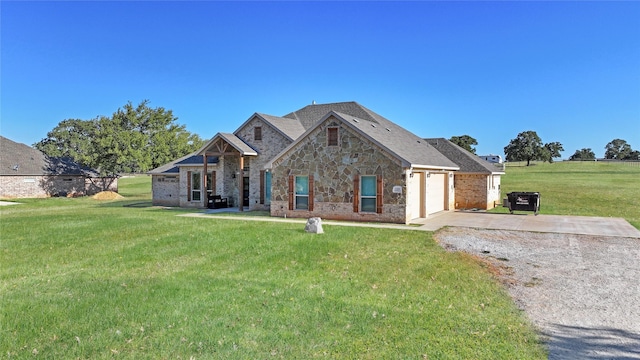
(583, 225)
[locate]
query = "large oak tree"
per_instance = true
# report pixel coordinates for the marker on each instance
(134, 139)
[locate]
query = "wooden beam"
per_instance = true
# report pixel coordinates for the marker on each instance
(204, 180)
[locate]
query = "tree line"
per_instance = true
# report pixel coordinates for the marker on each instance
(134, 139)
(527, 146)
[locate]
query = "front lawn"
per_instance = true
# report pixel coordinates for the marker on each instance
(82, 278)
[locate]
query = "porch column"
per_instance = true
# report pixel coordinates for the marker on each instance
(204, 180)
(241, 184)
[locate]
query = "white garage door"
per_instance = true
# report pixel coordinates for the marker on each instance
(435, 193)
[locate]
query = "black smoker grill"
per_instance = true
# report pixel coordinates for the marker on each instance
(523, 201)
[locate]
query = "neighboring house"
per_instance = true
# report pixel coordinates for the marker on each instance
(26, 172)
(335, 161)
(477, 183)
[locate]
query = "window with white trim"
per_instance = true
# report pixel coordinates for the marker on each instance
(368, 194)
(302, 193)
(196, 186)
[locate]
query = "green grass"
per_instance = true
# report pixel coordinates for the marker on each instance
(580, 188)
(82, 278)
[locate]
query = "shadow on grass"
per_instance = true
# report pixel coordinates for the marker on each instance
(575, 342)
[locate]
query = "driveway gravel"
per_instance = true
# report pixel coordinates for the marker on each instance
(581, 291)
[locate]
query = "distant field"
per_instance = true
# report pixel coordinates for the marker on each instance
(89, 279)
(579, 188)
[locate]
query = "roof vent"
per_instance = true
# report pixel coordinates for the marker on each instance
(373, 125)
(355, 120)
(313, 102)
(388, 129)
(419, 142)
(16, 167)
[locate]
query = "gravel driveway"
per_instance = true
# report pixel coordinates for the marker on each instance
(581, 291)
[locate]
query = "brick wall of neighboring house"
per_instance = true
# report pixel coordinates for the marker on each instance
(472, 190)
(44, 186)
(334, 169)
(272, 144)
(166, 190)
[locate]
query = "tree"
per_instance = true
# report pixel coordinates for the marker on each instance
(70, 138)
(618, 149)
(526, 146)
(466, 142)
(583, 154)
(550, 151)
(133, 139)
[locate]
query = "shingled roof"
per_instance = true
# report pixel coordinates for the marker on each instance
(468, 162)
(189, 159)
(412, 150)
(18, 159)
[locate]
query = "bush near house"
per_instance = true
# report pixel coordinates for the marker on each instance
(83, 278)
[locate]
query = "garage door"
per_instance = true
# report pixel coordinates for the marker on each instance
(435, 193)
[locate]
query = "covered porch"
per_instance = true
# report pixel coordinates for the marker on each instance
(231, 151)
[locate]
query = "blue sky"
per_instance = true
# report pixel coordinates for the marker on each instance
(568, 70)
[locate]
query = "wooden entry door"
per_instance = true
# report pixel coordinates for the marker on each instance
(245, 191)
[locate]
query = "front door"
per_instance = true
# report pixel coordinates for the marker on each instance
(245, 191)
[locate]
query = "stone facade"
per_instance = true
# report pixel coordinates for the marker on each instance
(333, 169)
(40, 186)
(477, 191)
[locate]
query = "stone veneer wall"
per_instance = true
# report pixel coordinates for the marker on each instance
(334, 169)
(39, 186)
(471, 191)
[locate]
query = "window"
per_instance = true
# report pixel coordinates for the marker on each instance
(368, 194)
(332, 136)
(267, 188)
(302, 193)
(211, 181)
(257, 133)
(196, 187)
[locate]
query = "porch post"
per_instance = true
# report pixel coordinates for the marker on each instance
(241, 185)
(204, 180)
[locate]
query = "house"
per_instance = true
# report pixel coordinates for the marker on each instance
(477, 183)
(335, 161)
(26, 172)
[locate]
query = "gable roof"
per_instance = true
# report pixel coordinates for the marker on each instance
(468, 162)
(289, 128)
(173, 167)
(407, 147)
(311, 114)
(243, 148)
(22, 160)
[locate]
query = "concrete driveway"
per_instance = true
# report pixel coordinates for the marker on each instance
(582, 225)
